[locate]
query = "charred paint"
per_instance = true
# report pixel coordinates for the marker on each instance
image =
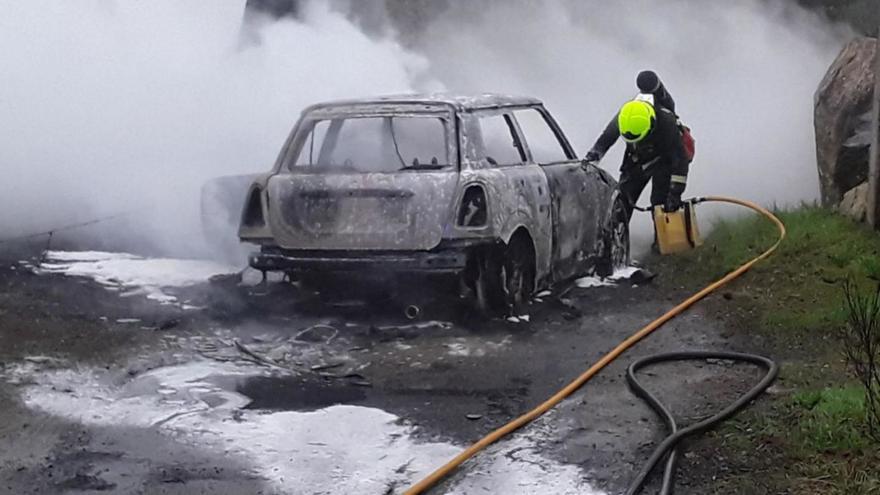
(562, 206)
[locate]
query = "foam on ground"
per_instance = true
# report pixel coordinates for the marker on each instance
(131, 274)
(595, 281)
(338, 449)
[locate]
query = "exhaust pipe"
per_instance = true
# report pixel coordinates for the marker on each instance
(412, 312)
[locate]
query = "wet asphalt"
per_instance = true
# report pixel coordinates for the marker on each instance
(451, 374)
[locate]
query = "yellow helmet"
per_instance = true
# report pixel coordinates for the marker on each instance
(635, 120)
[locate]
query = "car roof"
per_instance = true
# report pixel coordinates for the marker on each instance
(457, 101)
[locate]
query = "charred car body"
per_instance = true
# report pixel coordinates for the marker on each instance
(486, 188)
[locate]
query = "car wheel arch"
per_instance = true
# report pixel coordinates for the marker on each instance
(521, 232)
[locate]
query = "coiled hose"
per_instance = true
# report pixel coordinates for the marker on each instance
(669, 445)
(444, 470)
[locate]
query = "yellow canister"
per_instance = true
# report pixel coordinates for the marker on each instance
(676, 231)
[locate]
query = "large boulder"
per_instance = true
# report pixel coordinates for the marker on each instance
(272, 8)
(862, 15)
(842, 120)
(855, 202)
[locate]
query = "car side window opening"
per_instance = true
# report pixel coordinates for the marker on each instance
(375, 144)
(311, 148)
(500, 146)
(542, 141)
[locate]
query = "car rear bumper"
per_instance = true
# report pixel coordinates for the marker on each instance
(445, 260)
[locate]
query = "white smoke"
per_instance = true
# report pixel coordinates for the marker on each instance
(115, 105)
(742, 73)
(122, 106)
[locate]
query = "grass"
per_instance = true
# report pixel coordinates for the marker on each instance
(830, 420)
(811, 437)
(812, 442)
(797, 290)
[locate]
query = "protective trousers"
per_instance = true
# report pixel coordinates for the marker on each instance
(634, 178)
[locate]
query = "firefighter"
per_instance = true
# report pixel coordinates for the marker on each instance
(654, 152)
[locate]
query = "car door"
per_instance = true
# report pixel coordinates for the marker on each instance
(573, 192)
(516, 188)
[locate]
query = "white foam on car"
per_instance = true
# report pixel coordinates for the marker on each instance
(595, 281)
(133, 275)
(338, 449)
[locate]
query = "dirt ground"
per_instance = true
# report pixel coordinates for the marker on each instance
(449, 378)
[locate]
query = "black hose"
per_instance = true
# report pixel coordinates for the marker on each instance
(669, 447)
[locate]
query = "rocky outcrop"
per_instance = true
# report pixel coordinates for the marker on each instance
(842, 120)
(862, 15)
(272, 8)
(855, 203)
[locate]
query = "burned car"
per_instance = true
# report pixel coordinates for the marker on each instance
(486, 189)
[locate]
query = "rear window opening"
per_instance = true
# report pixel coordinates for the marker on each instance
(374, 144)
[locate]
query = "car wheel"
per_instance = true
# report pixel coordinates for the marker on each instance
(518, 273)
(614, 249)
(505, 278)
(487, 286)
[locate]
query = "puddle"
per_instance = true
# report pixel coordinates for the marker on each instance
(298, 393)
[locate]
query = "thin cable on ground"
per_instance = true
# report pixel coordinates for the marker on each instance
(61, 229)
(670, 444)
(572, 387)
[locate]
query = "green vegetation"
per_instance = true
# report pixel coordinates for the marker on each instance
(797, 290)
(830, 420)
(810, 435)
(812, 442)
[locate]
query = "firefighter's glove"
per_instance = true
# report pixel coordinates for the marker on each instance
(593, 157)
(673, 200)
(673, 203)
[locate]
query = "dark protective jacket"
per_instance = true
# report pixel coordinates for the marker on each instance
(662, 98)
(661, 152)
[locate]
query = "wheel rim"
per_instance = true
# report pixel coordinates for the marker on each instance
(513, 282)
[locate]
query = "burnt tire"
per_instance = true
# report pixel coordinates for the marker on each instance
(488, 291)
(505, 277)
(614, 246)
(519, 272)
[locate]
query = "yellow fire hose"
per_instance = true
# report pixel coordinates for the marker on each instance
(569, 389)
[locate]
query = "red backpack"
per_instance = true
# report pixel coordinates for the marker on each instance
(687, 140)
